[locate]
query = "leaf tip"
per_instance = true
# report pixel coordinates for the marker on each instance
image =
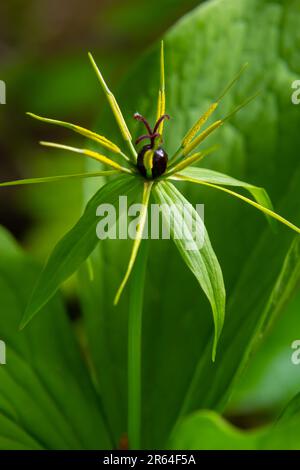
(24, 321)
(118, 295)
(214, 351)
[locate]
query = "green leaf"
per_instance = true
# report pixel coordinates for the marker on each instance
(271, 364)
(261, 208)
(210, 176)
(89, 153)
(76, 245)
(135, 320)
(47, 400)
(201, 261)
(206, 430)
(80, 130)
(284, 434)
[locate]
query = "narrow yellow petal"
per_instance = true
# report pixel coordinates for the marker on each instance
(115, 108)
(138, 239)
(89, 153)
(263, 209)
(82, 131)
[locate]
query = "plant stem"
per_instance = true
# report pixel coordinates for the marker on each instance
(135, 346)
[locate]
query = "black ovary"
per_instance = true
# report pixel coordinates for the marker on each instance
(160, 161)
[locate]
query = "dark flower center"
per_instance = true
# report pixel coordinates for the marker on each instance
(152, 158)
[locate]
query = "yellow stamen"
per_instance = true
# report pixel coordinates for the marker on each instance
(202, 120)
(197, 141)
(195, 158)
(161, 105)
(215, 125)
(197, 126)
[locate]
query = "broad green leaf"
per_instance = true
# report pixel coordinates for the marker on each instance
(261, 208)
(76, 245)
(47, 400)
(201, 261)
(206, 430)
(271, 378)
(284, 434)
(106, 326)
(214, 177)
(253, 329)
(135, 322)
(261, 145)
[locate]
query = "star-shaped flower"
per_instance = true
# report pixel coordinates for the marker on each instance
(148, 166)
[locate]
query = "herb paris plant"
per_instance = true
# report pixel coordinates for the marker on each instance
(152, 170)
